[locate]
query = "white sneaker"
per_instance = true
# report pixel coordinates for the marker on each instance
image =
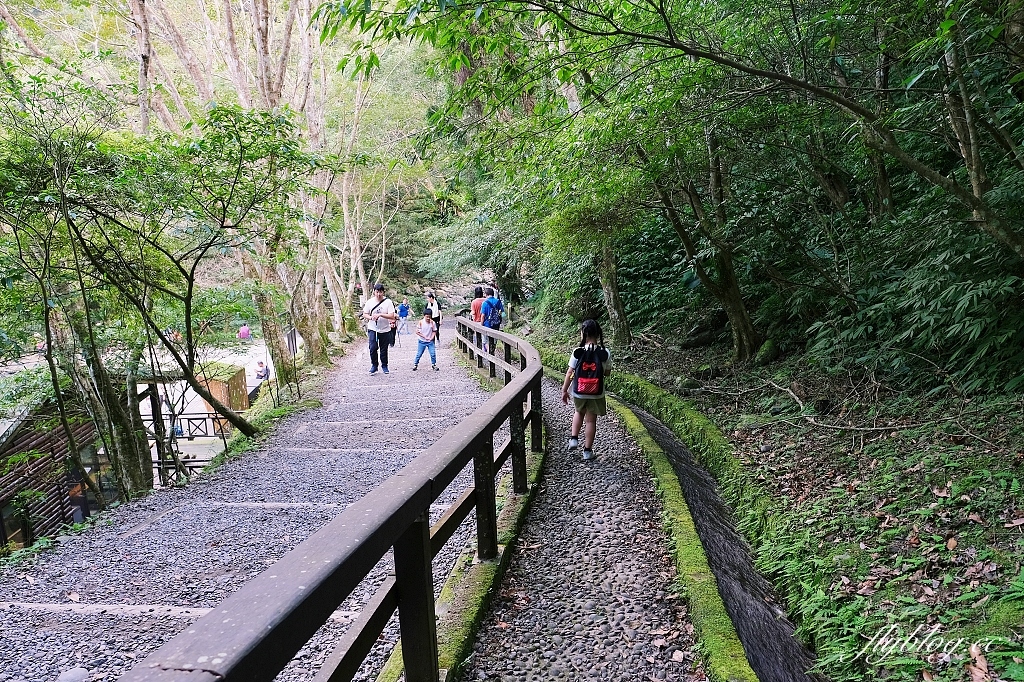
(574, 442)
(588, 455)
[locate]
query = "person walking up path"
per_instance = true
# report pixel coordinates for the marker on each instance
(403, 317)
(426, 333)
(491, 312)
(478, 301)
(588, 594)
(379, 312)
(589, 364)
(435, 311)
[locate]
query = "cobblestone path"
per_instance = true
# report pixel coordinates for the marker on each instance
(587, 596)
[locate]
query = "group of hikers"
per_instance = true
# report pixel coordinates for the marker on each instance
(589, 363)
(385, 322)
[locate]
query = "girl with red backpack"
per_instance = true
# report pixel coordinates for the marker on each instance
(589, 364)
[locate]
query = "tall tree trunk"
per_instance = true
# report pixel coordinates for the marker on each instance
(259, 16)
(334, 288)
(187, 57)
(135, 413)
(277, 82)
(621, 335)
(234, 61)
(164, 451)
(179, 103)
(74, 449)
(273, 335)
(963, 119)
(142, 39)
(127, 444)
(726, 289)
(308, 314)
(884, 202)
(128, 447)
(745, 339)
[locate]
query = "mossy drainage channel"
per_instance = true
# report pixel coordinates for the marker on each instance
(773, 652)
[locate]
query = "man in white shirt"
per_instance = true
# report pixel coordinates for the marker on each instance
(378, 312)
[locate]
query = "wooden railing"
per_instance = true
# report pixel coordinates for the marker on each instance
(252, 634)
(191, 425)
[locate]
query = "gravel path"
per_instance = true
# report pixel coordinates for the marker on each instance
(101, 600)
(587, 595)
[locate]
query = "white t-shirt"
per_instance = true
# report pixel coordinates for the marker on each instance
(385, 307)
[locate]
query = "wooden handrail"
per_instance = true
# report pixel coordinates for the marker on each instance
(252, 634)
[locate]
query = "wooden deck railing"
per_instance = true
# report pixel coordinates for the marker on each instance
(252, 634)
(191, 425)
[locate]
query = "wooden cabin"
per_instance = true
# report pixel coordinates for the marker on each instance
(227, 384)
(39, 491)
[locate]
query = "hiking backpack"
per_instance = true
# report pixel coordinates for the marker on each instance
(492, 318)
(588, 378)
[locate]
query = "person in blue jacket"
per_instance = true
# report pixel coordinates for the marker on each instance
(403, 316)
(492, 311)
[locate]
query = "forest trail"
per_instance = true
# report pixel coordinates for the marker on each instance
(588, 594)
(579, 601)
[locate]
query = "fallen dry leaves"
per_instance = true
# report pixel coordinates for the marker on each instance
(978, 666)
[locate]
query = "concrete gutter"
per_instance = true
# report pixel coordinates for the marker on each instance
(722, 650)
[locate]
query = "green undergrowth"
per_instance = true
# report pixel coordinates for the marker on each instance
(722, 651)
(15, 557)
(892, 526)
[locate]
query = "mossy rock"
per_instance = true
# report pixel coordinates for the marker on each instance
(768, 352)
(705, 372)
(687, 383)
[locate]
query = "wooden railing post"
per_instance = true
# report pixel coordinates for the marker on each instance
(493, 370)
(536, 425)
(508, 361)
(479, 353)
(486, 508)
(517, 434)
(416, 602)
(466, 342)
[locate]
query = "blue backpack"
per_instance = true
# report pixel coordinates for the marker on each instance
(491, 310)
